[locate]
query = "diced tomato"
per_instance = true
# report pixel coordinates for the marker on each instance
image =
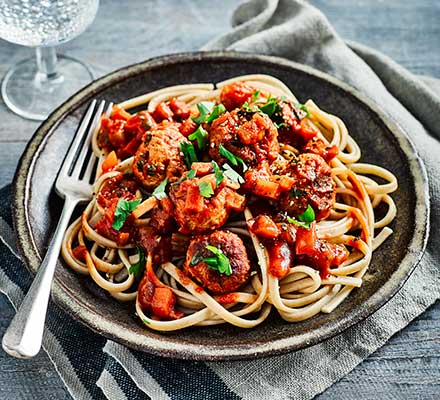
(187, 127)
(252, 131)
(179, 108)
(264, 227)
(236, 94)
(163, 111)
(305, 240)
(317, 146)
(280, 259)
(110, 162)
(79, 252)
(194, 201)
(307, 130)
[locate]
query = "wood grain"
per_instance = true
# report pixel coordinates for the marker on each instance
(408, 366)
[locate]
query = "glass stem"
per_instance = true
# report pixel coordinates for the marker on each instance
(47, 62)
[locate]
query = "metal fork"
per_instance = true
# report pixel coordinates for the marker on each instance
(25, 333)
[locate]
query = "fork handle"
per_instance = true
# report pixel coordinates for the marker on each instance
(25, 333)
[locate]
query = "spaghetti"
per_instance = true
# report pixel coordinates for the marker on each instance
(218, 203)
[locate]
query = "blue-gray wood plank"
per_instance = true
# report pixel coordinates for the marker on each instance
(408, 366)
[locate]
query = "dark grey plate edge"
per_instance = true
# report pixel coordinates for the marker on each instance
(21, 194)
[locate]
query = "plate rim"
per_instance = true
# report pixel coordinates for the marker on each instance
(105, 327)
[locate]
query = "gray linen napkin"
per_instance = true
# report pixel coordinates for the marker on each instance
(299, 32)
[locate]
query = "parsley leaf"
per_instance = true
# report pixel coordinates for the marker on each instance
(232, 175)
(218, 110)
(281, 125)
(308, 215)
(248, 108)
(159, 192)
(123, 209)
(205, 189)
(255, 96)
(220, 262)
(234, 160)
(303, 108)
(305, 219)
(137, 269)
(218, 173)
(201, 136)
(205, 107)
(189, 153)
(270, 107)
(191, 174)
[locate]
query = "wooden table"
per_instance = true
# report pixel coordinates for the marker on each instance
(408, 366)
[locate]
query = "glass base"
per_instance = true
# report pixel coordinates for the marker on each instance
(33, 95)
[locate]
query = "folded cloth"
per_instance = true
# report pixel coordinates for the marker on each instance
(104, 369)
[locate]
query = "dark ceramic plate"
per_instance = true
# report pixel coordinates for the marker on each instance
(37, 208)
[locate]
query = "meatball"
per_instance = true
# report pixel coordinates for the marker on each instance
(250, 136)
(236, 94)
(159, 156)
(196, 214)
(232, 247)
(313, 185)
(119, 187)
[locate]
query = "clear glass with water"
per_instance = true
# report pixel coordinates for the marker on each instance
(33, 88)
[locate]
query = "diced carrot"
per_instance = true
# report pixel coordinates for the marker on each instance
(264, 227)
(163, 302)
(286, 182)
(110, 162)
(194, 201)
(235, 201)
(266, 188)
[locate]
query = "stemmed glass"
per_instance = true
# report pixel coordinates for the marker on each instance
(34, 87)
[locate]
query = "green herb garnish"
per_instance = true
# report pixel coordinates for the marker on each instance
(234, 160)
(218, 110)
(205, 189)
(191, 174)
(189, 153)
(303, 108)
(218, 173)
(201, 136)
(231, 174)
(270, 107)
(159, 192)
(305, 219)
(123, 209)
(137, 269)
(205, 107)
(297, 193)
(219, 262)
(255, 96)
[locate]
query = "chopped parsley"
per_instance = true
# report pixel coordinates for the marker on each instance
(218, 110)
(191, 174)
(231, 174)
(303, 108)
(189, 153)
(234, 160)
(218, 173)
(218, 263)
(159, 192)
(205, 189)
(208, 112)
(137, 269)
(123, 209)
(205, 107)
(270, 107)
(201, 136)
(255, 96)
(305, 219)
